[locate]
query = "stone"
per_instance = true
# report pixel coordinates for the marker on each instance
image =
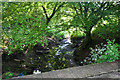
(112, 70)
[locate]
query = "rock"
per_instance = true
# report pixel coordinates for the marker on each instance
(68, 56)
(77, 40)
(39, 49)
(41, 52)
(71, 61)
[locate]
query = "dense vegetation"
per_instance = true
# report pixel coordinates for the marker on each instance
(32, 31)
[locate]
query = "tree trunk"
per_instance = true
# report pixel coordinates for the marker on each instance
(48, 20)
(82, 51)
(87, 40)
(88, 37)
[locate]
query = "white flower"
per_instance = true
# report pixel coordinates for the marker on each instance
(92, 56)
(110, 51)
(89, 61)
(101, 43)
(98, 52)
(111, 47)
(81, 62)
(106, 53)
(90, 48)
(95, 49)
(85, 60)
(96, 45)
(93, 59)
(105, 45)
(86, 57)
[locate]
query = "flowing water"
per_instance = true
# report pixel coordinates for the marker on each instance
(65, 47)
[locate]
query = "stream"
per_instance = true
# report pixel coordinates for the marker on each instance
(64, 47)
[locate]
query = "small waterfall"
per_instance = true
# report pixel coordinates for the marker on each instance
(65, 47)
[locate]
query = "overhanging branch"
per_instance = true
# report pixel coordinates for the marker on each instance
(76, 10)
(45, 12)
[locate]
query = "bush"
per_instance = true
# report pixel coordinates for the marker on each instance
(9, 75)
(57, 61)
(77, 34)
(107, 29)
(76, 37)
(105, 53)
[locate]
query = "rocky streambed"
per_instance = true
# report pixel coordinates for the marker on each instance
(57, 55)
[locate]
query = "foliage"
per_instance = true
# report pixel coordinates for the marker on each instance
(88, 14)
(106, 53)
(51, 32)
(47, 62)
(28, 23)
(77, 34)
(23, 25)
(62, 34)
(57, 61)
(8, 75)
(108, 28)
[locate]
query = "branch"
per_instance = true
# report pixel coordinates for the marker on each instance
(80, 8)
(85, 10)
(45, 12)
(60, 6)
(76, 10)
(98, 10)
(54, 10)
(107, 8)
(95, 22)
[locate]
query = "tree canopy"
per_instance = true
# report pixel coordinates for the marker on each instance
(53, 35)
(27, 23)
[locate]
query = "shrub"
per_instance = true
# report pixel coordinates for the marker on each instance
(77, 34)
(105, 53)
(107, 29)
(9, 75)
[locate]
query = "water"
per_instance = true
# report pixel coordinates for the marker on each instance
(65, 47)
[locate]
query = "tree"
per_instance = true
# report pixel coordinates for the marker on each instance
(88, 15)
(24, 24)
